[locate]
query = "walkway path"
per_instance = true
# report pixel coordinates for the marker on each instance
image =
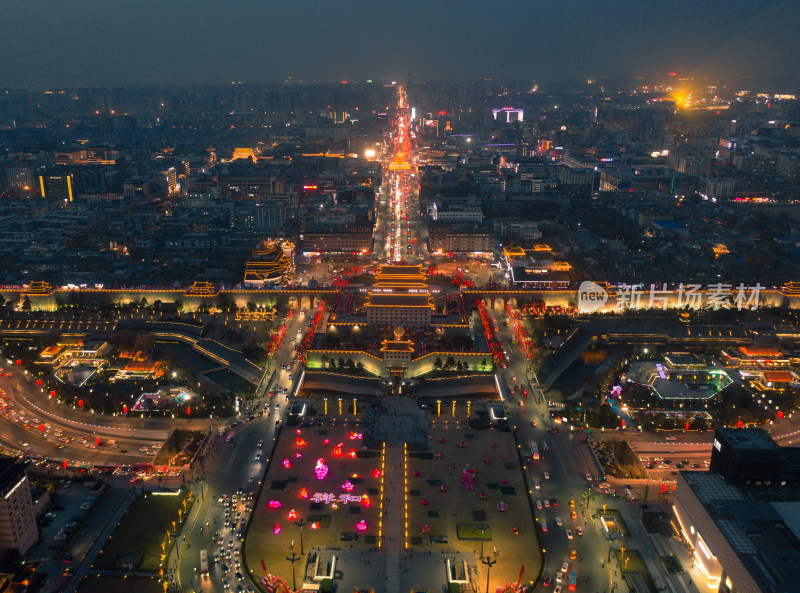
(394, 515)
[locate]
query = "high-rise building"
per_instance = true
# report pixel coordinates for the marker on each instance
(17, 520)
(57, 185)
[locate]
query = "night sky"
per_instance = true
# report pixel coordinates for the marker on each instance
(85, 42)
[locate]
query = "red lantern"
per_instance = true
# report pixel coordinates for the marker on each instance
(623, 423)
(189, 411)
(780, 414)
(38, 382)
(739, 424)
(97, 441)
(164, 470)
(80, 404)
(41, 427)
(663, 488)
(65, 464)
(687, 426)
(52, 394)
(125, 409)
(19, 362)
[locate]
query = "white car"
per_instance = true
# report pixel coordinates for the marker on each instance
(559, 577)
(557, 589)
(558, 521)
(538, 504)
(565, 567)
(546, 503)
(546, 476)
(569, 534)
(537, 485)
(579, 531)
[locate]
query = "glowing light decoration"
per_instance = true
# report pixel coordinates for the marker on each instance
(300, 442)
(292, 515)
(303, 493)
(314, 525)
(366, 501)
(321, 469)
(352, 454)
(347, 486)
(361, 525)
(355, 435)
(298, 455)
(326, 441)
(274, 504)
(337, 450)
(286, 463)
(376, 473)
(276, 529)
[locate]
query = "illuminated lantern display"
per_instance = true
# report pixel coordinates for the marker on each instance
(361, 525)
(65, 464)
(337, 450)
(300, 442)
(366, 501)
(326, 441)
(125, 408)
(97, 442)
(292, 515)
(274, 504)
(347, 486)
(38, 382)
(314, 525)
(298, 455)
(352, 454)
(80, 404)
(286, 463)
(276, 529)
(376, 473)
(41, 427)
(189, 411)
(53, 393)
(321, 469)
(303, 493)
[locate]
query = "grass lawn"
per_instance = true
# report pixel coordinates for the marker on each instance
(141, 531)
(104, 584)
(635, 564)
(473, 531)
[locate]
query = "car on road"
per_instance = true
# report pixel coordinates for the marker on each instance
(538, 504)
(546, 476)
(671, 439)
(579, 531)
(554, 502)
(557, 589)
(588, 477)
(569, 534)
(546, 503)
(546, 581)
(558, 521)
(544, 527)
(238, 576)
(537, 485)
(225, 584)
(565, 567)
(559, 577)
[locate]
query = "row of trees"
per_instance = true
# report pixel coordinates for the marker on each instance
(450, 364)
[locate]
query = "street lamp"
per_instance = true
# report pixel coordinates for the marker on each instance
(300, 523)
(293, 558)
(489, 563)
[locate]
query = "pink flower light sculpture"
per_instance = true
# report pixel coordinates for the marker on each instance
(321, 469)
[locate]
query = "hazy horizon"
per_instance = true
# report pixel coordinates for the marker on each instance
(115, 44)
